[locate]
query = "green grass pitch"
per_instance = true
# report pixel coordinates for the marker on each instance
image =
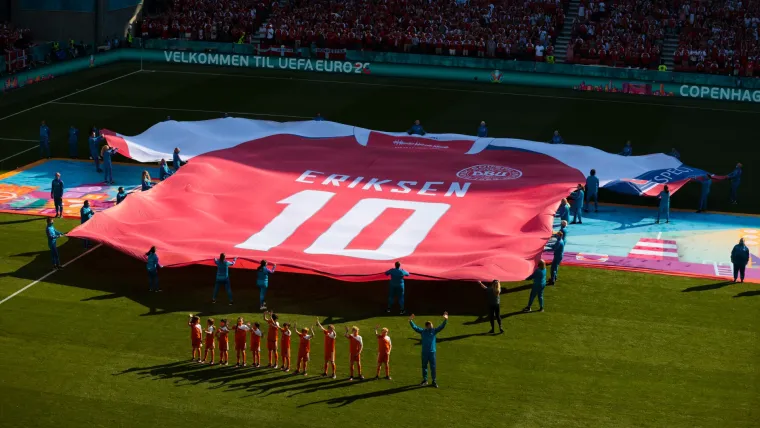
(88, 346)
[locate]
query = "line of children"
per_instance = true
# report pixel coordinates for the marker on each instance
(241, 328)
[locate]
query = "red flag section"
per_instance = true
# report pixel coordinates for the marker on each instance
(337, 208)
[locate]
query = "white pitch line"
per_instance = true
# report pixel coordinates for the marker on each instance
(19, 153)
(471, 91)
(42, 278)
(69, 95)
(182, 109)
(18, 139)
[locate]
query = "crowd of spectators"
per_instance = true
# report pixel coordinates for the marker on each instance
(12, 37)
(719, 37)
(210, 20)
(517, 29)
(624, 33)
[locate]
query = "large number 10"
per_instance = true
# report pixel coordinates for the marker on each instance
(305, 204)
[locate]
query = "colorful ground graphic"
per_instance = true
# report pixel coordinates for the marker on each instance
(691, 244)
(27, 190)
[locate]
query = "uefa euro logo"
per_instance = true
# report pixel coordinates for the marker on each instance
(496, 76)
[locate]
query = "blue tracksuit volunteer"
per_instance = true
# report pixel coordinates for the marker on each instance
(559, 252)
(396, 289)
(563, 229)
(94, 145)
(73, 141)
(153, 265)
(85, 214)
(319, 118)
(564, 211)
(176, 160)
(163, 170)
(223, 276)
(557, 139)
(577, 198)
(664, 209)
(262, 281)
(107, 167)
(482, 130)
(52, 237)
(592, 191)
(428, 336)
(706, 184)
(539, 283)
(416, 129)
(56, 194)
(736, 179)
(44, 140)
(740, 258)
(121, 196)
(627, 150)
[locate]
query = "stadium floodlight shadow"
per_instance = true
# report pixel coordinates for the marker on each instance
(707, 287)
(748, 293)
(350, 399)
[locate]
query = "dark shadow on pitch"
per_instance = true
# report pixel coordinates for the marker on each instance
(450, 338)
(350, 399)
(748, 293)
(707, 287)
(27, 220)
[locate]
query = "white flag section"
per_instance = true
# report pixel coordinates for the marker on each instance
(641, 175)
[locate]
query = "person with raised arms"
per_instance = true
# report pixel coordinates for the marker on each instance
(107, 153)
(396, 288)
(428, 336)
(262, 281)
(493, 293)
(223, 276)
(330, 335)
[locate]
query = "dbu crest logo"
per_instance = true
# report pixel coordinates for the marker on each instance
(496, 76)
(489, 173)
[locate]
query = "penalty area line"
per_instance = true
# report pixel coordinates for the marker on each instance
(43, 277)
(182, 110)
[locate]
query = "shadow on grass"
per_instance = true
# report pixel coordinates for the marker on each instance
(349, 399)
(708, 287)
(27, 220)
(748, 293)
(113, 275)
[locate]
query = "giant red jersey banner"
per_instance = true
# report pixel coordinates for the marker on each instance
(340, 201)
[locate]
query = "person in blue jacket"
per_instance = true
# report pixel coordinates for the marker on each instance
(86, 213)
(557, 139)
(674, 153)
(577, 198)
(52, 237)
(153, 265)
(396, 288)
(416, 129)
(108, 153)
(482, 130)
(592, 191)
(163, 170)
(223, 276)
(44, 140)
(95, 130)
(627, 149)
(121, 196)
(706, 184)
(73, 142)
(564, 210)
(56, 194)
(563, 230)
(739, 258)
(262, 281)
(736, 179)
(94, 145)
(539, 283)
(176, 160)
(559, 252)
(146, 181)
(428, 336)
(664, 209)
(319, 118)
